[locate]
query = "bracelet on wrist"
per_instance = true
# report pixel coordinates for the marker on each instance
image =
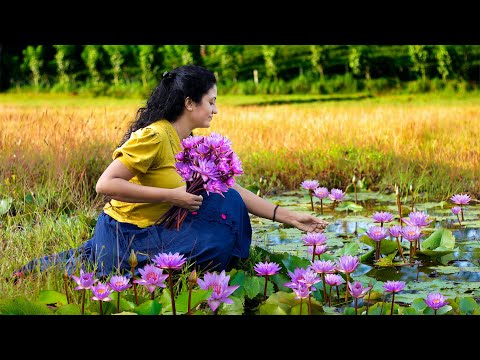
(274, 212)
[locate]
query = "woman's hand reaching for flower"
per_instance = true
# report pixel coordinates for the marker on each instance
(308, 223)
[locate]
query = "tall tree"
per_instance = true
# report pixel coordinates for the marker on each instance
(444, 62)
(116, 54)
(418, 56)
(63, 63)
(90, 56)
(32, 58)
(269, 53)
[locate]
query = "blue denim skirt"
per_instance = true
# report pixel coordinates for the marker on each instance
(211, 237)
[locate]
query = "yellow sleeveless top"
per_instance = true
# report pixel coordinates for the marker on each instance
(149, 155)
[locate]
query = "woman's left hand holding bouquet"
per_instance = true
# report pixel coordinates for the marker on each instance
(181, 198)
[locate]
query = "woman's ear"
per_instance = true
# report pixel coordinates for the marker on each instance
(188, 104)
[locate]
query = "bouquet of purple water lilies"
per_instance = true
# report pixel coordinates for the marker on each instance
(205, 163)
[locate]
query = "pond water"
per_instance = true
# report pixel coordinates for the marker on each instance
(454, 273)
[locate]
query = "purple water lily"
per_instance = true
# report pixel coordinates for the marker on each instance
(309, 184)
(101, 292)
(266, 269)
(221, 290)
(323, 267)
(377, 233)
(119, 283)
(435, 301)
(169, 261)
(461, 199)
(417, 218)
(317, 250)
(456, 210)
(85, 281)
(333, 280)
(151, 277)
(382, 217)
(347, 264)
(295, 277)
(336, 195)
(357, 291)
(395, 230)
(321, 192)
(311, 239)
(393, 287)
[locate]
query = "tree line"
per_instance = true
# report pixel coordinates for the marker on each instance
(122, 70)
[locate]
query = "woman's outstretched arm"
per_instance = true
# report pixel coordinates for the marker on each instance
(264, 208)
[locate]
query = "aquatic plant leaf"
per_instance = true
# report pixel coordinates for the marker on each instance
(443, 310)
(334, 243)
(454, 269)
(21, 306)
(350, 248)
(419, 304)
(466, 305)
(273, 309)
(439, 238)
(386, 261)
(279, 280)
(237, 277)
(292, 262)
(405, 297)
(367, 256)
(149, 307)
(386, 246)
(406, 310)
(52, 297)
(69, 309)
(349, 311)
(237, 308)
(253, 285)
(198, 295)
(348, 205)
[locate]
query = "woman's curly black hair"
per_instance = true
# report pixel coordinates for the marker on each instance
(167, 100)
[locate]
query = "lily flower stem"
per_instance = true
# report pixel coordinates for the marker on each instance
(399, 246)
(321, 206)
(301, 303)
(83, 301)
(101, 307)
(313, 252)
(338, 295)
(172, 296)
(118, 301)
(309, 304)
(190, 288)
(461, 210)
(356, 306)
(459, 223)
(368, 300)
(330, 296)
(134, 285)
(265, 288)
(66, 292)
(311, 198)
(346, 289)
(152, 295)
(324, 289)
(393, 302)
(410, 256)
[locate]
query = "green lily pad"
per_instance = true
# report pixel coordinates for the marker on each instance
(439, 243)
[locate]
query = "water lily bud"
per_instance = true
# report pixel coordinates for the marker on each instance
(192, 279)
(132, 260)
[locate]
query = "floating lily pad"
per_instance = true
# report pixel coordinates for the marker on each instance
(439, 243)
